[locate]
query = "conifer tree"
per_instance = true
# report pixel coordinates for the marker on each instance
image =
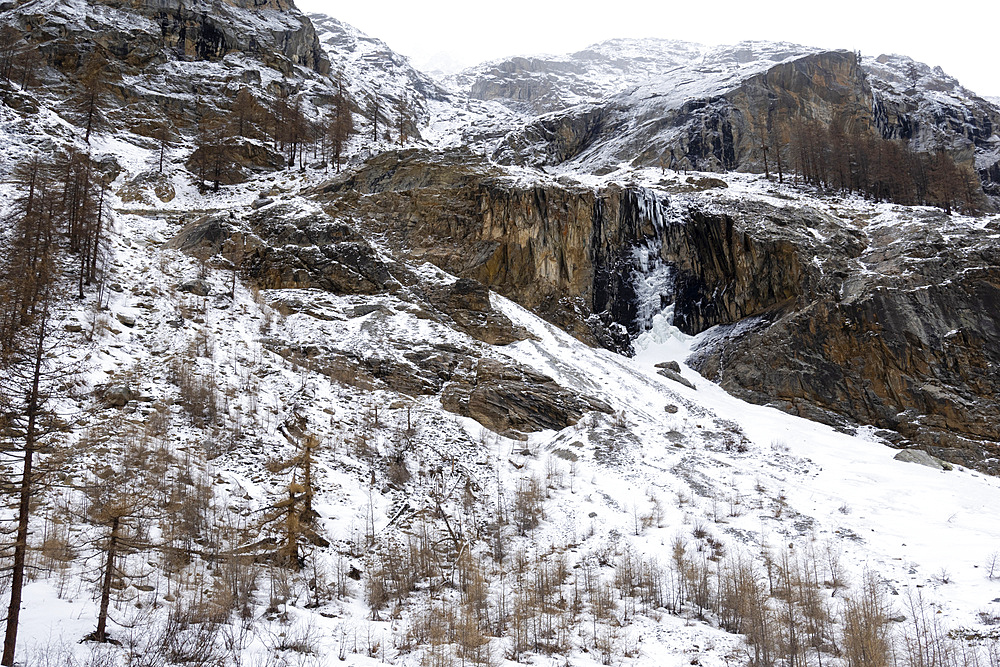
(163, 134)
(374, 106)
(90, 101)
(119, 498)
(343, 124)
(31, 370)
(9, 51)
(402, 117)
(244, 113)
(29, 373)
(294, 516)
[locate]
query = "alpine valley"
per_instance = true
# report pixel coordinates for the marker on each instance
(650, 354)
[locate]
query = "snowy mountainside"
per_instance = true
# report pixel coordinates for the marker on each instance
(547, 83)
(605, 69)
(676, 98)
(441, 116)
(371, 69)
(330, 434)
(670, 465)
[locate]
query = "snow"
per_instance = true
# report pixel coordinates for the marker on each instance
(791, 484)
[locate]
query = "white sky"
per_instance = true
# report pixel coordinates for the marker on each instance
(958, 36)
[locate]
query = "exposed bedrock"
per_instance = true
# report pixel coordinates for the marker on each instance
(908, 340)
(143, 32)
(720, 132)
(818, 315)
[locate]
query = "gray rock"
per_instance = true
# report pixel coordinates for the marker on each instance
(126, 320)
(921, 457)
(504, 397)
(676, 377)
(367, 309)
(196, 287)
(671, 408)
(73, 327)
(261, 203)
(670, 365)
(118, 396)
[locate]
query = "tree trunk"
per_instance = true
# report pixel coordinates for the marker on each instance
(24, 502)
(101, 634)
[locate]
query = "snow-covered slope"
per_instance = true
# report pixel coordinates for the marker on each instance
(633, 100)
(726, 481)
(372, 71)
(628, 512)
(546, 83)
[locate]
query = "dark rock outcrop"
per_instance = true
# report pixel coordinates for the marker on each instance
(235, 162)
(467, 303)
(147, 32)
(904, 336)
(285, 247)
(504, 397)
(717, 132)
(151, 59)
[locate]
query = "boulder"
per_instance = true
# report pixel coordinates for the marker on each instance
(118, 396)
(921, 457)
(196, 287)
(669, 365)
(671, 374)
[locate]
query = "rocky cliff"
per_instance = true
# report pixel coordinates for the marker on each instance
(557, 249)
(713, 109)
(904, 336)
(706, 127)
(818, 313)
(931, 110)
(149, 32)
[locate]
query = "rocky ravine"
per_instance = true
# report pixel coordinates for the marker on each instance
(836, 318)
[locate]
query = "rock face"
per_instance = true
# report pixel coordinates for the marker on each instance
(291, 249)
(171, 60)
(563, 251)
(569, 252)
(146, 32)
(929, 109)
(821, 316)
(718, 130)
(244, 160)
(905, 336)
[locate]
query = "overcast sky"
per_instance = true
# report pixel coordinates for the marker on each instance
(960, 37)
